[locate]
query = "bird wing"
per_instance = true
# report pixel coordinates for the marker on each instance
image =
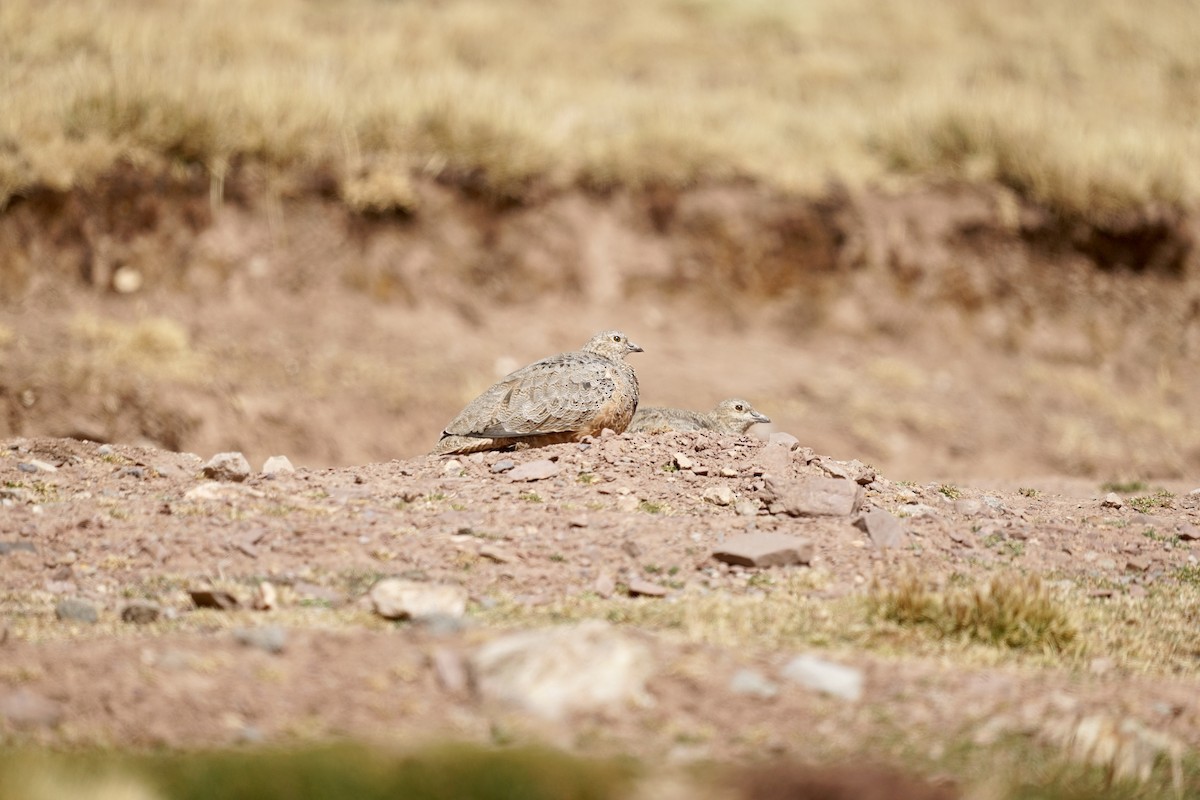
(559, 394)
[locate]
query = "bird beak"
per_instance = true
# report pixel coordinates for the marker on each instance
(760, 417)
(633, 348)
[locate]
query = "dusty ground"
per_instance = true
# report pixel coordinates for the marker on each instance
(121, 524)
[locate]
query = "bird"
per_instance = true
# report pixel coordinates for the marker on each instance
(562, 398)
(734, 415)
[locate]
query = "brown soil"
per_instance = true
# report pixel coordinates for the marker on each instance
(111, 527)
(946, 332)
(934, 332)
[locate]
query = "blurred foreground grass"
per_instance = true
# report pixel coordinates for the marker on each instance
(1090, 111)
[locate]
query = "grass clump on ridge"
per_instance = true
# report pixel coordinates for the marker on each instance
(1010, 611)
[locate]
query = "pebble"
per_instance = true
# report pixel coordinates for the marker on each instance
(452, 467)
(278, 465)
(764, 550)
(682, 461)
(503, 465)
(1187, 532)
(396, 598)
(227, 467)
(753, 683)
(643, 588)
(268, 638)
(813, 497)
(450, 670)
(589, 666)
(825, 677)
(1112, 500)
(604, 585)
(140, 613)
(211, 598)
(1138, 564)
(883, 528)
(266, 596)
(719, 495)
(73, 610)
(16, 547)
(537, 470)
(105, 450)
(783, 439)
(497, 554)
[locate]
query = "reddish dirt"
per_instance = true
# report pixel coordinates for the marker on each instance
(111, 527)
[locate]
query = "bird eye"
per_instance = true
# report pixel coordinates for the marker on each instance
(740, 407)
(616, 337)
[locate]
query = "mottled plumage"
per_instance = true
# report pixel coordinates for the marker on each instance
(558, 399)
(729, 416)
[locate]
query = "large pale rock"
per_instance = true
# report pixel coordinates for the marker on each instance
(552, 673)
(534, 470)
(278, 465)
(813, 497)
(395, 598)
(883, 528)
(764, 550)
(825, 676)
(227, 467)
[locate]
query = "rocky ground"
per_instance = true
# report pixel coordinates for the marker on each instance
(681, 597)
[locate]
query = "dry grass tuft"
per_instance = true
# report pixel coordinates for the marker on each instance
(1086, 113)
(1009, 610)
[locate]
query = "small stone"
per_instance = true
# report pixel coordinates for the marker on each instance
(212, 598)
(42, 466)
(266, 597)
(227, 467)
(719, 495)
(825, 676)
(1112, 500)
(269, 638)
(24, 708)
(16, 547)
(503, 465)
(682, 461)
(884, 529)
(73, 610)
(450, 670)
(105, 450)
(396, 598)
(1138, 564)
(628, 503)
(753, 683)
(452, 467)
(126, 279)
(604, 585)
(278, 465)
(783, 439)
(1187, 532)
(764, 550)
(746, 508)
(553, 672)
(815, 497)
(140, 613)
(968, 507)
(642, 588)
(537, 470)
(727, 472)
(774, 460)
(497, 554)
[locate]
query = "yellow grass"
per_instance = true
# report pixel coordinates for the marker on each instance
(1088, 110)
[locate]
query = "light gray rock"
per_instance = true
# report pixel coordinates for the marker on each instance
(278, 465)
(825, 677)
(557, 671)
(883, 528)
(641, 588)
(682, 461)
(227, 467)
(396, 598)
(813, 497)
(719, 495)
(503, 465)
(268, 638)
(17, 547)
(74, 610)
(753, 683)
(764, 550)
(1112, 500)
(537, 470)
